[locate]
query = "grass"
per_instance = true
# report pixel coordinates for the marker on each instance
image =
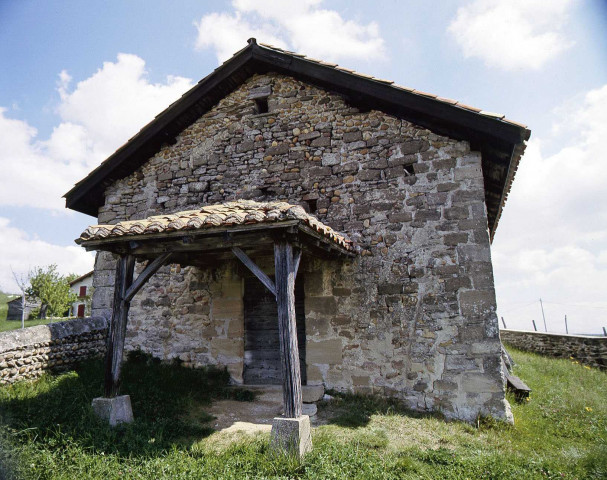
(6, 325)
(50, 431)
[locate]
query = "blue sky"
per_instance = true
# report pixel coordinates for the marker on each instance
(80, 78)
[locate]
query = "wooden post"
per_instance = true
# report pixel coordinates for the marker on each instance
(117, 329)
(287, 330)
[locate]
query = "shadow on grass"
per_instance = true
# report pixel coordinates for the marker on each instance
(355, 410)
(55, 411)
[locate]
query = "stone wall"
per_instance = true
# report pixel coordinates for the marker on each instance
(28, 352)
(412, 316)
(591, 351)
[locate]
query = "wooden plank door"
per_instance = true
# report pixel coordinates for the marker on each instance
(262, 345)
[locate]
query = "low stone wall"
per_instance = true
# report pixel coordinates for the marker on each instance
(590, 351)
(29, 352)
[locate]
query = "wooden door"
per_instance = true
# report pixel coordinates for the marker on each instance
(261, 344)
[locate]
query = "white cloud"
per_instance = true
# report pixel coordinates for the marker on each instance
(299, 25)
(97, 116)
(26, 253)
(552, 239)
(512, 34)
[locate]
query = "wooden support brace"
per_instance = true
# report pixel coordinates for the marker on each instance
(151, 268)
(296, 260)
(117, 329)
(258, 272)
(287, 329)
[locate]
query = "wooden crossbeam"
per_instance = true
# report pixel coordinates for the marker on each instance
(151, 268)
(296, 260)
(258, 272)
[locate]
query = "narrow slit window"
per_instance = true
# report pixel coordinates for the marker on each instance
(312, 207)
(261, 105)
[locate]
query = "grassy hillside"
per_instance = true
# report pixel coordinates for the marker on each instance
(50, 432)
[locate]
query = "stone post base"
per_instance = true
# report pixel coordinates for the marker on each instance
(115, 410)
(291, 435)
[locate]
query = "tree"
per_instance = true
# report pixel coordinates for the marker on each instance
(51, 289)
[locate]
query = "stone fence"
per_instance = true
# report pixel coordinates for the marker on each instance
(27, 353)
(591, 351)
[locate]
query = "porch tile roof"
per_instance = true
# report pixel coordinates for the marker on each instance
(239, 212)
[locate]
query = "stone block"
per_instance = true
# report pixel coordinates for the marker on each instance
(114, 410)
(324, 352)
(235, 327)
(323, 305)
(227, 347)
(352, 136)
(227, 308)
(464, 173)
(361, 380)
(291, 436)
(313, 373)
(330, 159)
(309, 409)
(473, 253)
(480, 383)
(475, 302)
(312, 393)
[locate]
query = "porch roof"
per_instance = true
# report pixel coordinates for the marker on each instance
(218, 227)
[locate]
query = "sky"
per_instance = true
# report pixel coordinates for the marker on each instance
(78, 79)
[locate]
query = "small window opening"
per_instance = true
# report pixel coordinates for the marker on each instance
(409, 170)
(311, 205)
(261, 105)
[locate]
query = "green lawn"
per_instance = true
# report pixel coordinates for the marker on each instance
(14, 324)
(50, 431)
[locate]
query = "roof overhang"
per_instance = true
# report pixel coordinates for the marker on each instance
(500, 141)
(197, 236)
(211, 246)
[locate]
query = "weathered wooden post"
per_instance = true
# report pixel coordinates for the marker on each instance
(113, 408)
(290, 433)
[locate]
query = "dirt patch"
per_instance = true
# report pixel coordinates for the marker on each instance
(250, 417)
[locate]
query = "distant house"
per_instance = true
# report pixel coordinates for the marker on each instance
(82, 288)
(15, 306)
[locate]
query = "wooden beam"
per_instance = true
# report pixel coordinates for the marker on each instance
(287, 328)
(117, 330)
(151, 268)
(258, 272)
(296, 260)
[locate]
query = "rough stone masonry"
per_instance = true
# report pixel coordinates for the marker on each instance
(28, 353)
(413, 316)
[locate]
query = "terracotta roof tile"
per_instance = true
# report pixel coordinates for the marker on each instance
(468, 107)
(499, 116)
(425, 94)
(239, 212)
